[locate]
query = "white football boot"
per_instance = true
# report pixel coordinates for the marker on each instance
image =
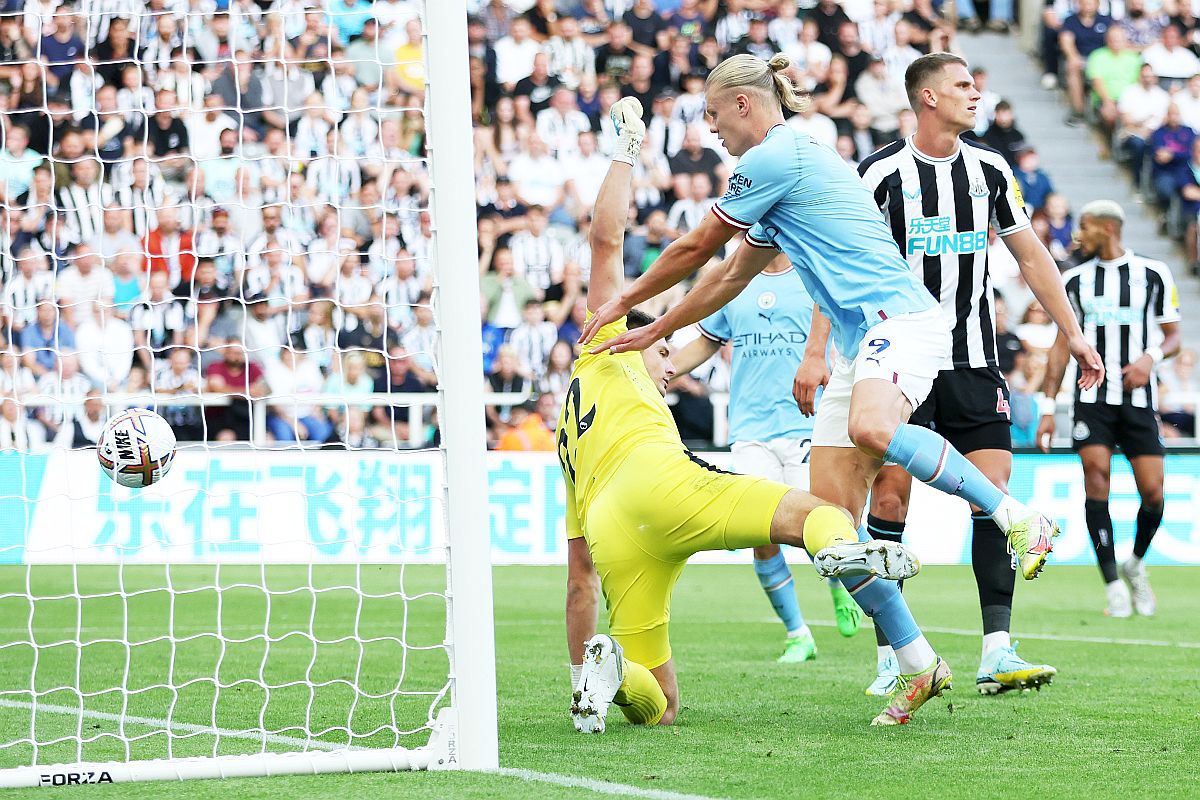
(603, 673)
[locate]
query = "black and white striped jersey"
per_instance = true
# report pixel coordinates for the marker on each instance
(1120, 304)
(939, 210)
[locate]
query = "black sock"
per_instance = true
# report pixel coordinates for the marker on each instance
(887, 530)
(994, 575)
(1100, 528)
(1148, 519)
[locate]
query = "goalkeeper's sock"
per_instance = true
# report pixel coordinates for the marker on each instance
(640, 698)
(929, 458)
(826, 526)
(776, 579)
(882, 601)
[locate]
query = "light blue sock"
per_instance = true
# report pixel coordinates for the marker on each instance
(930, 459)
(882, 602)
(776, 579)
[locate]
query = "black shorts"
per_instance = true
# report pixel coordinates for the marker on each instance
(1134, 430)
(970, 408)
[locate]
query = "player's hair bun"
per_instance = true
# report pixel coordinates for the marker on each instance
(779, 62)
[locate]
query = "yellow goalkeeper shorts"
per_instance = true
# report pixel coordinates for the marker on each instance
(661, 506)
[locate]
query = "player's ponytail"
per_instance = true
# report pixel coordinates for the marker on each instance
(747, 71)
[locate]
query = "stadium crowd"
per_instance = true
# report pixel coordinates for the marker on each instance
(234, 192)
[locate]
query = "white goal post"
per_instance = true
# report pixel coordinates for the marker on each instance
(365, 608)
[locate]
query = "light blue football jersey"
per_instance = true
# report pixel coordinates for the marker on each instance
(798, 196)
(768, 326)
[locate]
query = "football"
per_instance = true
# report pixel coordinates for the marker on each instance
(137, 448)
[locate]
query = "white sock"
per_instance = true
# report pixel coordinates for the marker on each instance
(801, 631)
(884, 652)
(576, 671)
(993, 640)
(1134, 562)
(916, 656)
(1009, 511)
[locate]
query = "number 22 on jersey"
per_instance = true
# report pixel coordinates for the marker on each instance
(573, 428)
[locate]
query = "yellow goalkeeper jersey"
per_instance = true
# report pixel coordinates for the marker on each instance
(612, 407)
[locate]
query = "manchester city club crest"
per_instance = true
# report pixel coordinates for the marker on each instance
(766, 300)
(1081, 431)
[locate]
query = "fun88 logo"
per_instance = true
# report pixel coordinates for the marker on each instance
(933, 236)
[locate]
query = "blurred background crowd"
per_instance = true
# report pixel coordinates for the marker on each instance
(228, 196)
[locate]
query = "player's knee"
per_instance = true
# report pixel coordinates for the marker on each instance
(672, 711)
(1095, 484)
(888, 505)
(869, 435)
(1152, 495)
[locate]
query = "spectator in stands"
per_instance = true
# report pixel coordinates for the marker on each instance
(1171, 145)
(82, 201)
(116, 238)
(30, 285)
(1034, 182)
(515, 53)
(170, 249)
(85, 282)
(1082, 34)
(1177, 397)
(14, 430)
(505, 378)
(421, 339)
(537, 255)
(1187, 186)
(694, 157)
(241, 382)
(105, 344)
(1000, 15)
(1061, 224)
(42, 341)
(643, 245)
(532, 340)
(68, 388)
(815, 124)
(1143, 108)
(158, 322)
(531, 426)
(180, 376)
(834, 97)
(17, 164)
(686, 213)
(1003, 135)
(401, 377)
(1110, 71)
(292, 376)
(1172, 61)
(883, 95)
(557, 375)
(504, 292)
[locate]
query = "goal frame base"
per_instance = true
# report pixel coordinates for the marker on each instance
(441, 753)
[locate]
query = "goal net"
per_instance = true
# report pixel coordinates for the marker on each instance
(252, 221)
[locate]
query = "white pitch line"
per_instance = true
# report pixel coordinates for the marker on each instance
(1049, 637)
(568, 781)
(601, 787)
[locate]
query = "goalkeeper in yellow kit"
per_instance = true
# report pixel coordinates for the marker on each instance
(639, 503)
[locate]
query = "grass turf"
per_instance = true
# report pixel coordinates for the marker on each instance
(1120, 719)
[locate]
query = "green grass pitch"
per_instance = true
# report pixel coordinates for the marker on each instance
(1121, 720)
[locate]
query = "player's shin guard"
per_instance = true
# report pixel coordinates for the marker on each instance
(775, 576)
(994, 575)
(1100, 528)
(826, 526)
(929, 458)
(889, 531)
(1148, 519)
(640, 698)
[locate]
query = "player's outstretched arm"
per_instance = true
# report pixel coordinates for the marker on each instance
(681, 258)
(607, 236)
(723, 283)
(1041, 273)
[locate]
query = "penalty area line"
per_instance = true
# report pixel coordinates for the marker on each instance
(592, 785)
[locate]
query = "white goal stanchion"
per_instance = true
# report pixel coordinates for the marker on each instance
(282, 603)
